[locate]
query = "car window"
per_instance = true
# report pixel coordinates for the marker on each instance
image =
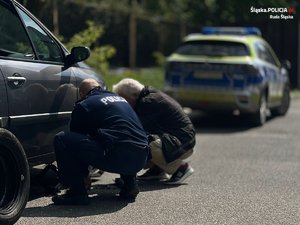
(264, 53)
(213, 48)
(45, 46)
(14, 41)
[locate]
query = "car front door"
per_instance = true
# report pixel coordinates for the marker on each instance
(271, 71)
(40, 90)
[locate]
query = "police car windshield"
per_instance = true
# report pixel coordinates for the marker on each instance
(213, 48)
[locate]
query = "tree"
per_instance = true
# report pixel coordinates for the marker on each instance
(99, 54)
(170, 20)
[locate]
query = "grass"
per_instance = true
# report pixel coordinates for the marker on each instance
(295, 93)
(148, 76)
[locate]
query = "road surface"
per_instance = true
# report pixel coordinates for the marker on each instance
(242, 175)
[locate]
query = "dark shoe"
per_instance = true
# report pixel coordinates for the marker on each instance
(154, 173)
(129, 193)
(59, 187)
(119, 182)
(94, 172)
(87, 183)
(130, 188)
(183, 172)
(70, 198)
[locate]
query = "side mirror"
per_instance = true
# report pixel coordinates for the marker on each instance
(286, 64)
(78, 54)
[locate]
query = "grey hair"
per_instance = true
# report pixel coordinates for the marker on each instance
(86, 85)
(128, 87)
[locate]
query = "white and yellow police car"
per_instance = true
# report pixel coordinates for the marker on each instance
(229, 69)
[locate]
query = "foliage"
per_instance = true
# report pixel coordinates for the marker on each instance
(160, 24)
(151, 76)
(213, 12)
(86, 37)
(89, 37)
(160, 59)
(191, 11)
(295, 94)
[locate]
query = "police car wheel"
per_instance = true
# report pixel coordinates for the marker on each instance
(285, 103)
(14, 178)
(260, 116)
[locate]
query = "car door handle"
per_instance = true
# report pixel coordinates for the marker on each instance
(16, 81)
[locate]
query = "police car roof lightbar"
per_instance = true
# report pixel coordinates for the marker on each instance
(232, 30)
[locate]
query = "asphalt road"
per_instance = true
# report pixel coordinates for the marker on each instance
(242, 175)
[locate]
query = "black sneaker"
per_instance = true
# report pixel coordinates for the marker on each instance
(154, 173)
(183, 172)
(70, 198)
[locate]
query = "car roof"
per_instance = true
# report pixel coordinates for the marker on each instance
(246, 39)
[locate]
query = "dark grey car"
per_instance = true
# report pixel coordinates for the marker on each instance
(38, 88)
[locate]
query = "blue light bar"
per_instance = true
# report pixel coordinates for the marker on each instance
(232, 30)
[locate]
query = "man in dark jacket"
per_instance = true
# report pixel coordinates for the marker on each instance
(171, 132)
(105, 133)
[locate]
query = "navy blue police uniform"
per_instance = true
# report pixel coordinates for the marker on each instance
(105, 133)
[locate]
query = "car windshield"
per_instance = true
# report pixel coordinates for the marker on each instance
(213, 48)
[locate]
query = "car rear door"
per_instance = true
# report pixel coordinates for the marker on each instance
(40, 90)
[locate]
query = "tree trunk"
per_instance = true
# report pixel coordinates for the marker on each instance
(132, 36)
(55, 18)
(182, 27)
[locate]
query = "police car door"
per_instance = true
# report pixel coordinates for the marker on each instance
(41, 92)
(279, 78)
(271, 71)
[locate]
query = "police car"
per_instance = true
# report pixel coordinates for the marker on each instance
(229, 69)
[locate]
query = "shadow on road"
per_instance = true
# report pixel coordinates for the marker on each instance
(104, 203)
(104, 197)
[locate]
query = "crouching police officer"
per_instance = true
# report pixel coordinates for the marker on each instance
(104, 133)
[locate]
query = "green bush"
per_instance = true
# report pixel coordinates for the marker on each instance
(99, 54)
(159, 57)
(148, 76)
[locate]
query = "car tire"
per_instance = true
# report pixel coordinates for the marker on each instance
(285, 103)
(14, 178)
(259, 118)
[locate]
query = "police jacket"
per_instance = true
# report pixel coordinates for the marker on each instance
(107, 118)
(162, 115)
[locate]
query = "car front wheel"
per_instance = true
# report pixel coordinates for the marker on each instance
(14, 178)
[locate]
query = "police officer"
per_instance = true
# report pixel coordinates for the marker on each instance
(104, 133)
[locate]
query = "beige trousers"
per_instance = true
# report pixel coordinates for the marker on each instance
(158, 158)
